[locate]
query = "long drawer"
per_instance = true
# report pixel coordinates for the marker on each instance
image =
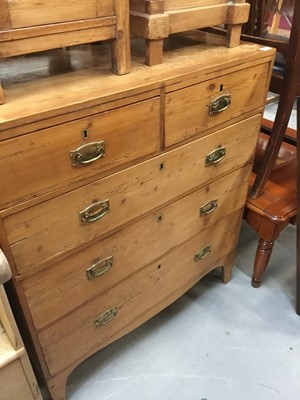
(50, 229)
(83, 331)
(48, 159)
(193, 110)
(65, 286)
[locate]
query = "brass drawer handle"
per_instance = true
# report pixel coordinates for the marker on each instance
(219, 104)
(88, 153)
(99, 267)
(202, 253)
(215, 156)
(94, 212)
(209, 207)
(106, 317)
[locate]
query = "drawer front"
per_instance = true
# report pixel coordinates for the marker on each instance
(65, 286)
(42, 161)
(50, 229)
(122, 304)
(229, 96)
(27, 13)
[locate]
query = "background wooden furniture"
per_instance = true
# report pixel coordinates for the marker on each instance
(98, 245)
(155, 20)
(271, 204)
(27, 26)
(17, 380)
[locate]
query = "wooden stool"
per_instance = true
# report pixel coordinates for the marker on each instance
(155, 20)
(27, 26)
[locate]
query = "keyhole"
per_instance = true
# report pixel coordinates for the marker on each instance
(159, 218)
(85, 134)
(162, 166)
(221, 88)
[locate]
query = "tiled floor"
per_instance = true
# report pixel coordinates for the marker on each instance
(217, 342)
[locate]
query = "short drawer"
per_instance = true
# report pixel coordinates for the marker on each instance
(50, 229)
(93, 325)
(65, 286)
(193, 110)
(42, 161)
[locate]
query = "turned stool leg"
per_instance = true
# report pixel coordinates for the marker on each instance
(2, 100)
(262, 258)
(154, 51)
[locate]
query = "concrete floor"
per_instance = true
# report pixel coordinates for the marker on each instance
(217, 342)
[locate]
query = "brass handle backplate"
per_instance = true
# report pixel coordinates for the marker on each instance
(219, 104)
(106, 317)
(215, 156)
(209, 207)
(202, 253)
(88, 153)
(94, 212)
(99, 267)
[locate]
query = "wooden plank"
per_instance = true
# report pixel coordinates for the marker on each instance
(5, 22)
(234, 35)
(105, 8)
(28, 13)
(196, 18)
(154, 27)
(8, 321)
(25, 33)
(171, 5)
(121, 61)
(154, 51)
(54, 41)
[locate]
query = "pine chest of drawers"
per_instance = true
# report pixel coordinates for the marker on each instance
(120, 193)
(28, 26)
(155, 20)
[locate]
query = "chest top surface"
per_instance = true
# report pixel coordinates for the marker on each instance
(54, 83)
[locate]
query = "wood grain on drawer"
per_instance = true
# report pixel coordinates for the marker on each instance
(187, 110)
(27, 13)
(50, 229)
(65, 286)
(76, 335)
(39, 162)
